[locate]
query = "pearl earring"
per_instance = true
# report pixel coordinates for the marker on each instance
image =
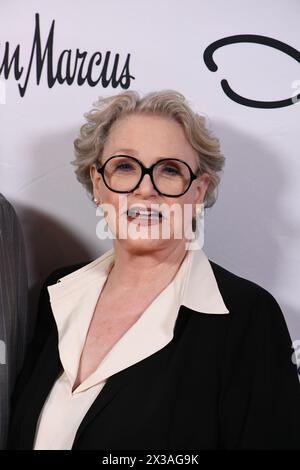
(198, 211)
(197, 228)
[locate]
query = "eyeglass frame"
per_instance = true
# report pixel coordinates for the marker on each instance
(146, 171)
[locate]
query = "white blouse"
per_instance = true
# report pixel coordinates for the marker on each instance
(73, 300)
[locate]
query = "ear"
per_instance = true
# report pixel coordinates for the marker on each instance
(95, 177)
(93, 172)
(201, 183)
(96, 182)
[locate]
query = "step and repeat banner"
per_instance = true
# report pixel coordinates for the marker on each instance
(236, 62)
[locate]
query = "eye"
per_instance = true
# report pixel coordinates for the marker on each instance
(171, 170)
(124, 166)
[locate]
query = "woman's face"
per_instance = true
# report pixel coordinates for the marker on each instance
(149, 138)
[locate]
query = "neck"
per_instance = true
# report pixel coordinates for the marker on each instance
(133, 270)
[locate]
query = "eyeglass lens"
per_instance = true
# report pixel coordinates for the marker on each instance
(170, 176)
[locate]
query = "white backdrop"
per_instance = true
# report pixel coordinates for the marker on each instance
(254, 228)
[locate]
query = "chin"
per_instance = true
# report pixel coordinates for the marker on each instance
(143, 245)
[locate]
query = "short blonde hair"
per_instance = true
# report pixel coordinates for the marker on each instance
(169, 103)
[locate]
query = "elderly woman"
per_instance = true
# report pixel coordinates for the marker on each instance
(152, 345)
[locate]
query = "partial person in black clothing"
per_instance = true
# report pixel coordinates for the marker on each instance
(14, 323)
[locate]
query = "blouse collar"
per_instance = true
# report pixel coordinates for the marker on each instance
(74, 297)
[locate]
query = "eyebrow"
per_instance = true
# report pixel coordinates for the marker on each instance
(136, 154)
(126, 151)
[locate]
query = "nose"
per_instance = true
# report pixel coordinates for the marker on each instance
(146, 187)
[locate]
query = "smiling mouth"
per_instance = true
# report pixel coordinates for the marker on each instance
(144, 214)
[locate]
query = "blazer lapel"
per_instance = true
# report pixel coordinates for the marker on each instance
(118, 381)
(113, 385)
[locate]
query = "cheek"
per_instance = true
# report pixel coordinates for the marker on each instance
(111, 200)
(188, 209)
(114, 206)
(180, 217)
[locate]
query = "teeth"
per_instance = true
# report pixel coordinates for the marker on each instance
(143, 214)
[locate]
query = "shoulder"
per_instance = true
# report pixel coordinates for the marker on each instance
(44, 318)
(255, 316)
(240, 293)
(62, 271)
(255, 324)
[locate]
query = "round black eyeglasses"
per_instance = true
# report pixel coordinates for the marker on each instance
(170, 177)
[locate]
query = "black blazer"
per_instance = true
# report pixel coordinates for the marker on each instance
(222, 382)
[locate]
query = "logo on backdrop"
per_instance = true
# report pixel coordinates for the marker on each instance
(264, 41)
(72, 66)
